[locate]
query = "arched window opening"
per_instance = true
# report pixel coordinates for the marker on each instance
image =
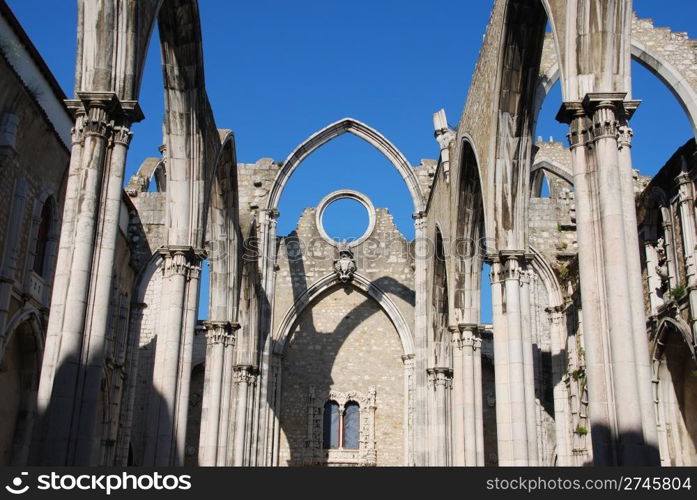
(42, 239)
(486, 312)
(330, 435)
(545, 191)
(352, 426)
(204, 291)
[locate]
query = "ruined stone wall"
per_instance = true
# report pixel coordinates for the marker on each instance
(344, 341)
(552, 220)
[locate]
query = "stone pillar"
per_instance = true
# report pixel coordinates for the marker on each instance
(561, 396)
(167, 419)
(189, 319)
(219, 337)
(636, 290)
(687, 224)
(440, 381)
(408, 360)
(422, 252)
(242, 376)
(74, 358)
(468, 333)
(459, 383)
(594, 309)
(226, 397)
(478, 400)
(260, 346)
(501, 378)
(613, 321)
(531, 412)
(513, 263)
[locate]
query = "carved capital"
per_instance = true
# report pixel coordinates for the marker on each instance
(440, 376)
(219, 332)
(469, 332)
(242, 374)
(183, 260)
(122, 135)
(513, 264)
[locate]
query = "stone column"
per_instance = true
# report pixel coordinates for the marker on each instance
(459, 383)
(636, 290)
(561, 396)
(260, 345)
(172, 356)
(103, 271)
(422, 252)
(218, 337)
(189, 319)
(242, 375)
(531, 413)
(408, 360)
(513, 266)
(501, 378)
(226, 397)
(440, 379)
(608, 263)
(687, 224)
(594, 309)
(468, 333)
(74, 358)
(478, 400)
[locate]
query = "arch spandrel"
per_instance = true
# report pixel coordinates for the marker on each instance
(334, 130)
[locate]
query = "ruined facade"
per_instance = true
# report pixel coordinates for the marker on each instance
(367, 352)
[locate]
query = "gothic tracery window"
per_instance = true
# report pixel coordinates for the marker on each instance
(341, 427)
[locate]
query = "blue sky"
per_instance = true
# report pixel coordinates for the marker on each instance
(277, 71)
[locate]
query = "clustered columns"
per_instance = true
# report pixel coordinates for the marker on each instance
(169, 402)
(422, 252)
(468, 426)
(69, 390)
(440, 384)
(623, 427)
(244, 378)
(687, 224)
(516, 415)
(220, 344)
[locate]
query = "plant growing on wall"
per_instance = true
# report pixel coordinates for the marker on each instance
(677, 293)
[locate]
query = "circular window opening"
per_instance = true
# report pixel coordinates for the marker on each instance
(345, 220)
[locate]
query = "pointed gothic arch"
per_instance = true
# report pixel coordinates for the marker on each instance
(334, 130)
(328, 282)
